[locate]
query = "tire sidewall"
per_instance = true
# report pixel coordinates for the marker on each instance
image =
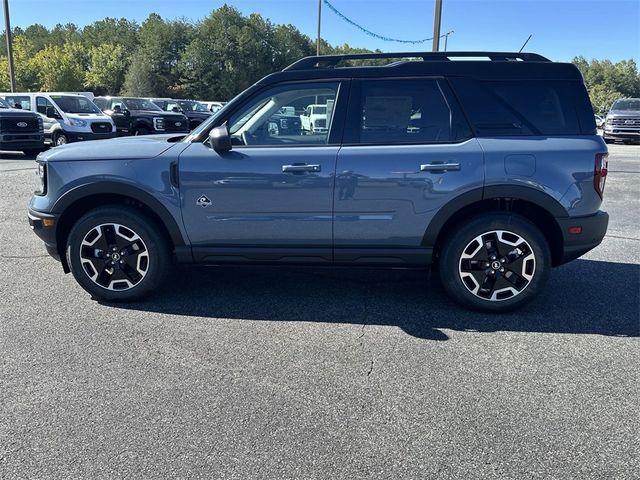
(460, 238)
(159, 259)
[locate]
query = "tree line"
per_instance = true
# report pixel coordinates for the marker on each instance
(212, 59)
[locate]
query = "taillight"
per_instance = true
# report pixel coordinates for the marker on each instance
(600, 172)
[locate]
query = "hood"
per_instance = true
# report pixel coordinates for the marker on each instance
(126, 148)
(16, 112)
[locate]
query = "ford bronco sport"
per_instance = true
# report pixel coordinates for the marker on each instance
(486, 165)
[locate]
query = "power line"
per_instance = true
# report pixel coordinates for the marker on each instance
(369, 32)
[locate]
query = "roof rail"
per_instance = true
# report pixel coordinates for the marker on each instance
(330, 61)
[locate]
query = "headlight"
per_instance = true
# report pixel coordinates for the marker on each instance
(158, 123)
(41, 175)
(77, 123)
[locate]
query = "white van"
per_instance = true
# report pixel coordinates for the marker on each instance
(66, 117)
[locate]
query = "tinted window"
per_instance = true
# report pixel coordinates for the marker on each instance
(402, 111)
(519, 108)
(547, 107)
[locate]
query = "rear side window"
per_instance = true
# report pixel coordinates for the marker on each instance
(19, 101)
(519, 108)
(400, 111)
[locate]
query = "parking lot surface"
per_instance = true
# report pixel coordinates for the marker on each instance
(316, 374)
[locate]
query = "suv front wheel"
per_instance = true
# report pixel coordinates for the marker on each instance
(115, 253)
(495, 262)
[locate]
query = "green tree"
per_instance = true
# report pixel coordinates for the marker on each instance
(107, 66)
(26, 72)
(607, 81)
(61, 68)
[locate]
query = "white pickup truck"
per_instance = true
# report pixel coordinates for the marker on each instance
(314, 119)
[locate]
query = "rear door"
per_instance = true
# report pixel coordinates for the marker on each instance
(407, 152)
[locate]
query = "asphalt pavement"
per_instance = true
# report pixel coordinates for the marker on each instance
(243, 373)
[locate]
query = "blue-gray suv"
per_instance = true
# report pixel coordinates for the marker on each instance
(484, 165)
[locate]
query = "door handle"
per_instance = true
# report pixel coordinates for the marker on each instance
(300, 168)
(439, 167)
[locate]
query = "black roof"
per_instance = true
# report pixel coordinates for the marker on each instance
(480, 65)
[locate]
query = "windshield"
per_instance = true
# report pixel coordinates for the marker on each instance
(191, 106)
(140, 104)
(74, 104)
(4, 104)
(627, 104)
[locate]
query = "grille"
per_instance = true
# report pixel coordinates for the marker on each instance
(101, 127)
(171, 125)
(625, 122)
(10, 125)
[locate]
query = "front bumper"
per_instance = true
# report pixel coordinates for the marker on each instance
(594, 228)
(32, 141)
(84, 136)
(621, 133)
(44, 225)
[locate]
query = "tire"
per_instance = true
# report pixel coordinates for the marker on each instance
(100, 249)
(499, 276)
(60, 138)
(141, 131)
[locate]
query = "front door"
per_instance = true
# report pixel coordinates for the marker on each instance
(271, 197)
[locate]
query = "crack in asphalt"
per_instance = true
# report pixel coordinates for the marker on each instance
(15, 257)
(623, 238)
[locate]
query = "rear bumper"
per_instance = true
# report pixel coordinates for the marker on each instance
(47, 233)
(594, 228)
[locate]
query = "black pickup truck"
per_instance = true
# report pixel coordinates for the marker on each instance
(140, 116)
(196, 112)
(20, 130)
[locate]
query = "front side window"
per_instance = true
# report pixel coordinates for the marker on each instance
(42, 104)
(286, 115)
(402, 111)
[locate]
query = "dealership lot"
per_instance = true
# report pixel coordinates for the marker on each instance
(275, 373)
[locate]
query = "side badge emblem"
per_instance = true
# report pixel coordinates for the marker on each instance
(203, 201)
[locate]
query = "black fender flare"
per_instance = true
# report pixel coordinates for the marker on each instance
(116, 188)
(515, 192)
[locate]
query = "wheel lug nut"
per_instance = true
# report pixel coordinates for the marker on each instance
(493, 272)
(503, 260)
(502, 269)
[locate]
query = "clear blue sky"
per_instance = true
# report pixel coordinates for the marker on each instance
(561, 29)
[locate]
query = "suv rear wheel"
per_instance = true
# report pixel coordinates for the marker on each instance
(495, 263)
(116, 254)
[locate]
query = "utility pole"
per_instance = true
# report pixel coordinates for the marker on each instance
(446, 39)
(436, 26)
(7, 26)
(319, 16)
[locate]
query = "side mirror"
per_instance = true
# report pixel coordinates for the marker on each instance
(219, 139)
(117, 109)
(126, 113)
(51, 112)
(176, 109)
